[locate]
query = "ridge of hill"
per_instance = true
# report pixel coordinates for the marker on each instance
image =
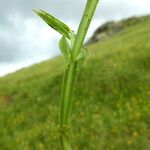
(111, 105)
(112, 27)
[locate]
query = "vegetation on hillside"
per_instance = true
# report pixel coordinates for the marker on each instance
(112, 27)
(112, 106)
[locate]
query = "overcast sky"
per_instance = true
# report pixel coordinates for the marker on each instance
(25, 39)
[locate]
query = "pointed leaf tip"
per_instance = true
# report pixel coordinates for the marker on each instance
(53, 22)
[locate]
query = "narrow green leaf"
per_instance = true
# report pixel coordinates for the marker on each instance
(65, 49)
(54, 23)
(72, 38)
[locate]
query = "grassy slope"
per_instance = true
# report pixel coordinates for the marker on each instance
(112, 107)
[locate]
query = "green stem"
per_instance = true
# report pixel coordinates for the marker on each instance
(70, 74)
(67, 93)
(65, 143)
(66, 103)
(84, 25)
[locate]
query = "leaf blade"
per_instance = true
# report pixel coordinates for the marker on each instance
(65, 49)
(53, 22)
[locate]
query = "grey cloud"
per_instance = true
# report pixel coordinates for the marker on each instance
(117, 9)
(66, 9)
(18, 43)
(8, 51)
(60, 8)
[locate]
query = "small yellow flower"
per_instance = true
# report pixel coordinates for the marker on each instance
(114, 130)
(135, 134)
(129, 142)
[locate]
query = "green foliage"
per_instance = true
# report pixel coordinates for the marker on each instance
(54, 23)
(112, 107)
(65, 49)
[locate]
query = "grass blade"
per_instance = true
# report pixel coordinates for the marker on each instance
(54, 23)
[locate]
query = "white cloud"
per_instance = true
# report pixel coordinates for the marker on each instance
(26, 42)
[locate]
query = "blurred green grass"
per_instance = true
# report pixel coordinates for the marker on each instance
(111, 105)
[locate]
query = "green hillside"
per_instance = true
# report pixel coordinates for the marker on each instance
(111, 105)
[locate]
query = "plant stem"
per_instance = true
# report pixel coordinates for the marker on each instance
(84, 25)
(66, 103)
(67, 93)
(70, 74)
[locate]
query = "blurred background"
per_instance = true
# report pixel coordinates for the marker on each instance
(25, 39)
(111, 108)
